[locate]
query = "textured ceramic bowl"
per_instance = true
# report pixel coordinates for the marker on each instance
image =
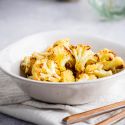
(111, 87)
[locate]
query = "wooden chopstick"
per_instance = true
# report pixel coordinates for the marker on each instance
(92, 113)
(113, 119)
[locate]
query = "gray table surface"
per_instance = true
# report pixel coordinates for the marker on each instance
(19, 18)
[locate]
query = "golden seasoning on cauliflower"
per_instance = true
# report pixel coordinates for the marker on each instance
(102, 73)
(64, 62)
(93, 60)
(45, 70)
(61, 56)
(90, 69)
(106, 55)
(63, 42)
(97, 70)
(116, 63)
(26, 65)
(67, 76)
(37, 69)
(41, 55)
(82, 54)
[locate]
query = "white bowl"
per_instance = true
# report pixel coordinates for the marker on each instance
(111, 87)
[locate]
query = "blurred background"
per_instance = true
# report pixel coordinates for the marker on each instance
(19, 18)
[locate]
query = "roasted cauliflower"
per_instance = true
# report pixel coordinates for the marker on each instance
(82, 54)
(64, 62)
(67, 76)
(46, 70)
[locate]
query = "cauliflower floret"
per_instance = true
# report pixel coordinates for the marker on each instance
(83, 76)
(45, 70)
(67, 76)
(116, 63)
(97, 70)
(62, 42)
(82, 54)
(37, 69)
(62, 56)
(106, 55)
(41, 55)
(26, 65)
(93, 60)
(28, 62)
(102, 73)
(110, 61)
(91, 68)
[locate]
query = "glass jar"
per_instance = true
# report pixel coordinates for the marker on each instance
(109, 9)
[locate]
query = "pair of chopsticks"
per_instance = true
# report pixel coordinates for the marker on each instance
(80, 117)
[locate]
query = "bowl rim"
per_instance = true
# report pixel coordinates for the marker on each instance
(58, 83)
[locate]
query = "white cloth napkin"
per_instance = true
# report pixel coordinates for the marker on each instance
(17, 104)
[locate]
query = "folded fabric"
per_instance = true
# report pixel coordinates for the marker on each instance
(41, 113)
